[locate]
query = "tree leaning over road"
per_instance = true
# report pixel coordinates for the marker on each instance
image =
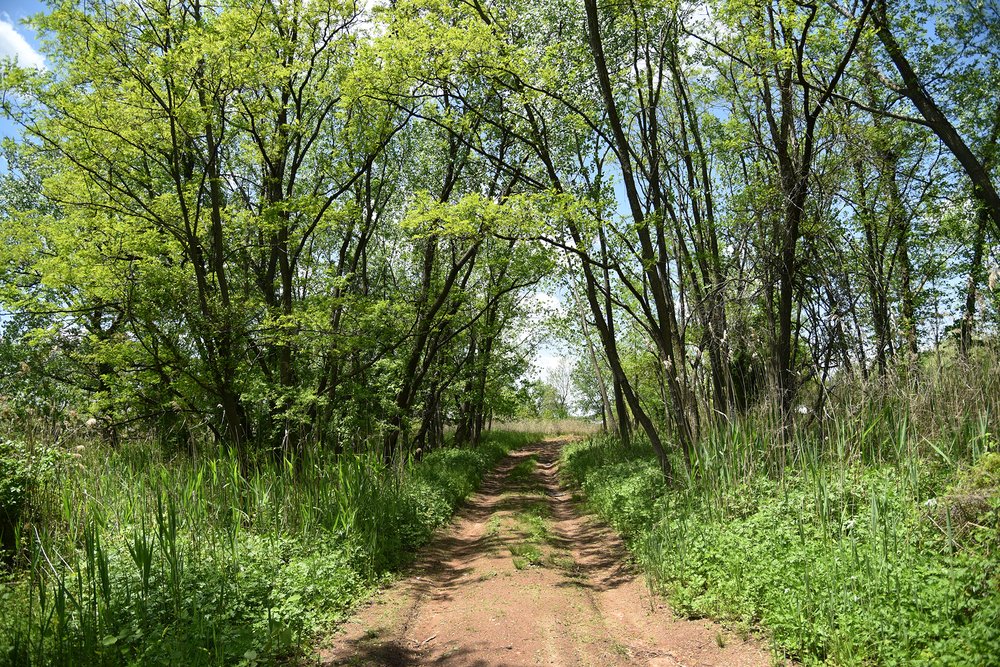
(272, 270)
(297, 223)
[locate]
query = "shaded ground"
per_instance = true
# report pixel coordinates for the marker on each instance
(522, 578)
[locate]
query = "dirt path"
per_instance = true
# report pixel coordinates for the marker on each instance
(522, 578)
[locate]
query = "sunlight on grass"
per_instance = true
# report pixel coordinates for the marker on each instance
(841, 553)
(551, 427)
(136, 558)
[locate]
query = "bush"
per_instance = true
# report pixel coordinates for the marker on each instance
(23, 469)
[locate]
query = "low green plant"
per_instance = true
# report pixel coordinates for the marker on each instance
(24, 469)
(531, 522)
(525, 554)
(523, 474)
(843, 557)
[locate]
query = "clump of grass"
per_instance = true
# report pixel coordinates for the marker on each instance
(526, 532)
(532, 523)
(493, 526)
(523, 474)
(525, 554)
(565, 562)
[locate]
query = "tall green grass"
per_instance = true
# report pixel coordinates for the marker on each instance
(874, 539)
(551, 427)
(125, 557)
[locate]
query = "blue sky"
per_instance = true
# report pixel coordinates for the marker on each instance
(18, 40)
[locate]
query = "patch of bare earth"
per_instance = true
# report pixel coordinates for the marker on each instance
(521, 577)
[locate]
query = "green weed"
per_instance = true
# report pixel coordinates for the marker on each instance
(526, 554)
(125, 557)
(833, 545)
(523, 474)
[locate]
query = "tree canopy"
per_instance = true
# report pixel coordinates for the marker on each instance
(289, 223)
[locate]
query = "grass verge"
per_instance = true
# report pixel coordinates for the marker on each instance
(126, 558)
(842, 558)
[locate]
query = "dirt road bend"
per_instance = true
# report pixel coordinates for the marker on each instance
(521, 578)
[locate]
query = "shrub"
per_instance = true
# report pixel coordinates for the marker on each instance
(23, 470)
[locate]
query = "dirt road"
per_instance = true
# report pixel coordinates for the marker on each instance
(522, 578)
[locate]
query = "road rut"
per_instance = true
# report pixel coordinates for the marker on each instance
(520, 578)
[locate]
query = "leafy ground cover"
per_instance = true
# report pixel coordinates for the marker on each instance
(841, 556)
(129, 558)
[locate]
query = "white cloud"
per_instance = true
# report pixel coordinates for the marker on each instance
(14, 45)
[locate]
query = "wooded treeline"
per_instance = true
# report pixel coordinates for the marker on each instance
(299, 222)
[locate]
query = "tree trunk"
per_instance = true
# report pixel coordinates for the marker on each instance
(984, 191)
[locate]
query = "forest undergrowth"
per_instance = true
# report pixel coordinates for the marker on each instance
(874, 539)
(130, 556)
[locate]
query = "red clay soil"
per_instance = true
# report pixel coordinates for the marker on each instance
(520, 578)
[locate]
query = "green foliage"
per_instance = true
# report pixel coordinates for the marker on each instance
(147, 561)
(15, 477)
(840, 561)
(312, 229)
(23, 472)
(210, 228)
(984, 475)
